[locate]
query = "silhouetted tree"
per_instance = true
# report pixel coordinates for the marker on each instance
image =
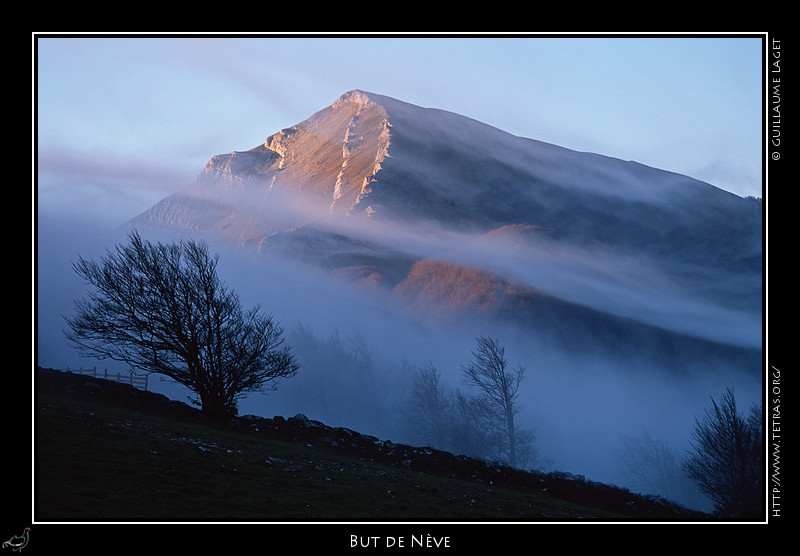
(498, 388)
(162, 308)
(726, 459)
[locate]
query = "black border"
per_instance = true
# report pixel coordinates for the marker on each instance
(159, 538)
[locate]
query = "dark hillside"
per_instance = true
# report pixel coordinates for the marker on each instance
(108, 452)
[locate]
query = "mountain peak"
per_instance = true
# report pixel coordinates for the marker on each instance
(366, 99)
(358, 96)
(373, 155)
(336, 152)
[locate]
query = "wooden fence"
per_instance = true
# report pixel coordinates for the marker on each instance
(139, 382)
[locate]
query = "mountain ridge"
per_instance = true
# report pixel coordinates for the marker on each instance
(370, 186)
(368, 153)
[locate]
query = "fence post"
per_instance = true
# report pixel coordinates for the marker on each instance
(131, 379)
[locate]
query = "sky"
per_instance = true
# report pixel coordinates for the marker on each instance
(123, 121)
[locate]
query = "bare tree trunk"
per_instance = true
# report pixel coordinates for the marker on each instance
(490, 374)
(512, 435)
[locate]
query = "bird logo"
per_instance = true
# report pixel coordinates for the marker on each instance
(18, 542)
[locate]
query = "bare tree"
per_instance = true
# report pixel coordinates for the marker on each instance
(340, 381)
(726, 458)
(162, 308)
(467, 434)
(499, 387)
(650, 466)
(430, 408)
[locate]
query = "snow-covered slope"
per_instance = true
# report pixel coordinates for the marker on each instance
(386, 192)
(373, 155)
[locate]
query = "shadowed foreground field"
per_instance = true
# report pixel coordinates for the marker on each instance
(108, 452)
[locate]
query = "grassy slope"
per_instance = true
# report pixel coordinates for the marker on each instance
(106, 452)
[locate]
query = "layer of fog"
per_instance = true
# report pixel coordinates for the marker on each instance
(711, 304)
(622, 285)
(580, 406)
